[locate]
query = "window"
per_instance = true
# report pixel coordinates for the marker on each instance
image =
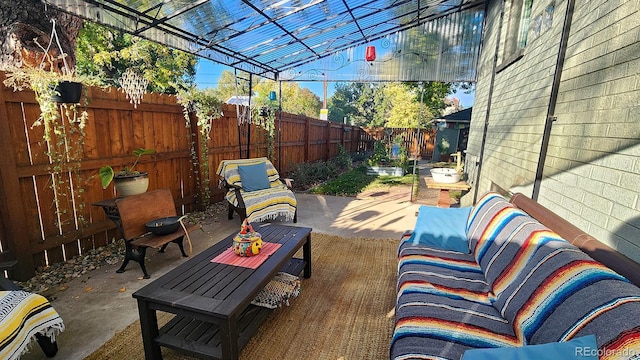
(519, 19)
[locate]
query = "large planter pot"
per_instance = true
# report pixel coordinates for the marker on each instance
(131, 184)
(69, 92)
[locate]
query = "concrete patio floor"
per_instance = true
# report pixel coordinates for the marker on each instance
(97, 305)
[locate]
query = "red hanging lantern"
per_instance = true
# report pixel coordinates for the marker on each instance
(370, 54)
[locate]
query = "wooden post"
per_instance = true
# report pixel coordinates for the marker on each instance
(196, 138)
(12, 210)
(307, 139)
(328, 152)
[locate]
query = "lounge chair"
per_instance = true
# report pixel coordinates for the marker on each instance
(256, 191)
(25, 317)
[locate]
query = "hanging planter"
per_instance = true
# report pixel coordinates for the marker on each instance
(67, 92)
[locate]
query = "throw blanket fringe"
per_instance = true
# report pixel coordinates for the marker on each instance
(22, 316)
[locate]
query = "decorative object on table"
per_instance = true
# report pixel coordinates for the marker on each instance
(127, 181)
(134, 85)
(278, 291)
(247, 242)
(163, 226)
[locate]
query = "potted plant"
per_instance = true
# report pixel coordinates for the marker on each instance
(127, 181)
(443, 150)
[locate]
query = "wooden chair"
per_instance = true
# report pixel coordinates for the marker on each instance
(48, 345)
(134, 212)
(258, 205)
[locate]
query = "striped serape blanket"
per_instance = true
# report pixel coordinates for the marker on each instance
(22, 316)
(261, 205)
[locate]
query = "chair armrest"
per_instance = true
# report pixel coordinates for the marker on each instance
(287, 182)
(6, 265)
(6, 284)
(237, 189)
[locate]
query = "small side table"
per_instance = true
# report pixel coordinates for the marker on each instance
(444, 201)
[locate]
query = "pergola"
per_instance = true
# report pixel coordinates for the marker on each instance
(309, 40)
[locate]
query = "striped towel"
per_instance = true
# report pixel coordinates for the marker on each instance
(22, 315)
(261, 205)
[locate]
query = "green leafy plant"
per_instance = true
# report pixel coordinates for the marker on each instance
(207, 108)
(380, 157)
(63, 127)
(107, 173)
(443, 146)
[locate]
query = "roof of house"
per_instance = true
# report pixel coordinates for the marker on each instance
(458, 116)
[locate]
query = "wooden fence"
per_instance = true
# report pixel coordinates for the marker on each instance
(40, 226)
(418, 143)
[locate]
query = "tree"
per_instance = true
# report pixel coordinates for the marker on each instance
(108, 53)
(390, 104)
(25, 30)
(295, 100)
(227, 85)
(354, 101)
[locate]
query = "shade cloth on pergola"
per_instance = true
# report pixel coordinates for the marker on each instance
(309, 40)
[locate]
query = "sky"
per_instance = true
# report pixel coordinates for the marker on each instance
(208, 72)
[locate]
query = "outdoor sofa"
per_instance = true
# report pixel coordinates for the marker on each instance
(494, 281)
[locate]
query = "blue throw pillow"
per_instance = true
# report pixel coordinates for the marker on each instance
(582, 348)
(442, 228)
(253, 177)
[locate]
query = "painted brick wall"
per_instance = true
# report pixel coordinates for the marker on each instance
(519, 104)
(485, 63)
(592, 171)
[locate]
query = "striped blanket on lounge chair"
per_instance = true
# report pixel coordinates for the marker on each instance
(22, 315)
(260, 205)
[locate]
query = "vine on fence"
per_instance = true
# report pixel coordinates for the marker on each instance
(207, 108)
(265, 117)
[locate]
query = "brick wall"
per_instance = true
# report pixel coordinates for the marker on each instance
(592, 169)
(519, 104)
(592, 172)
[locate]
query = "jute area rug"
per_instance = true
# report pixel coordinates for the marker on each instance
(344, 311)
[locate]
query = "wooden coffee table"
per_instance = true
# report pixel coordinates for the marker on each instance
(212, 301)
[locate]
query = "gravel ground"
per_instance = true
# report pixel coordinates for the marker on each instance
(54, 276)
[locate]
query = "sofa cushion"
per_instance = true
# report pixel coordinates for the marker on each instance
(484, 221)
(562, 293)
(503, 239)
(512, 249)
(576, 349)
(433, 326)
(446, 273)
(442, 228)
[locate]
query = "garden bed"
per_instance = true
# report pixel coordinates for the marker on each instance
(385, 170)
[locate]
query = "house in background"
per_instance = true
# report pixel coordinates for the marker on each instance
(557, 112)
(454, 129)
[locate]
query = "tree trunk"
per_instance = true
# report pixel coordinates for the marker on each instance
(25, 32)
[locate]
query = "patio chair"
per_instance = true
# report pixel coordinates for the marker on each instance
(256, 191)
(24, 317)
